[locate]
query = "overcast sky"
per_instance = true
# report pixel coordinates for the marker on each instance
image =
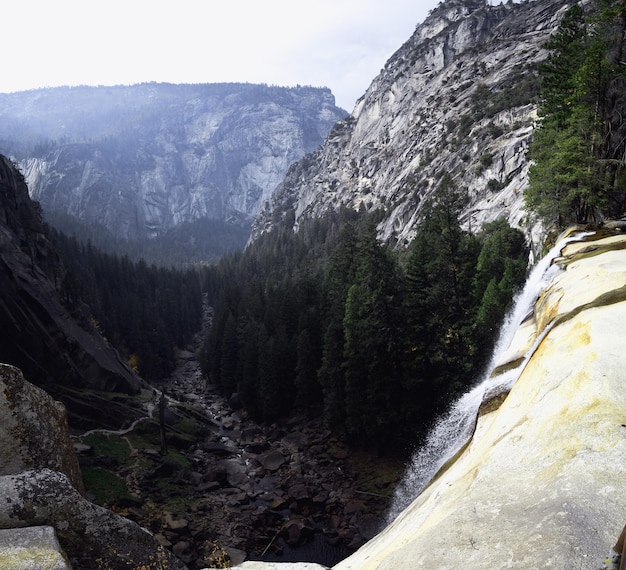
(340, 44)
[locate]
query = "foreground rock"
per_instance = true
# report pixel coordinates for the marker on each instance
(41, 484)
(87, 532)
(33, 429)
(541, 483)
(29, 548)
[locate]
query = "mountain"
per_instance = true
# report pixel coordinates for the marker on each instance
(140, 160)
(458, 97)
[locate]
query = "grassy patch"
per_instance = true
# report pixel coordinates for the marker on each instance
(378, 477)
(112, 446)
(106, 487)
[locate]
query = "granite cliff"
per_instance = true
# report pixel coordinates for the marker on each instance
(142, 159)
(49, 337)
(457, 97)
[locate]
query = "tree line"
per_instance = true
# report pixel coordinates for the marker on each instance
(579, 148)
(330, 322)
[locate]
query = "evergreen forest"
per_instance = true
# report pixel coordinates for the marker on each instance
(579, 149)
(143, 310)
(330, 322)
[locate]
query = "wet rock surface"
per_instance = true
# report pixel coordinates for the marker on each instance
(229, 489)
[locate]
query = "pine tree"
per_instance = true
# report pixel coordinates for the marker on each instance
(576, 175)
(373, 340)
(338, 279)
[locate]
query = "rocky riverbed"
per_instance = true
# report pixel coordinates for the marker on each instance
(219, 488)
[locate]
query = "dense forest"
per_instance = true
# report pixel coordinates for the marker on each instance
(202, 241)
(331, 322)
(579, 151)
(145, 311)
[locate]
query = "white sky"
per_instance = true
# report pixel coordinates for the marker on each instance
(340, 44)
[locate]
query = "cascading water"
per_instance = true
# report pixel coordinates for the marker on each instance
(453, 430)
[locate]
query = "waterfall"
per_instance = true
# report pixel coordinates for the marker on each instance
(454, 429)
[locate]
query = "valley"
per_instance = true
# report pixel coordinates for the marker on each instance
(246, 310)
(230, 489)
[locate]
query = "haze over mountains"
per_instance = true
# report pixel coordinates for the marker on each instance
(139, 161)
(192, 165)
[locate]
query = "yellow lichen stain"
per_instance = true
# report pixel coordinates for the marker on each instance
(583, 338)
(547, 308)
(31, 557)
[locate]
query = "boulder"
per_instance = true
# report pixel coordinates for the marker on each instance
(33, 429)
(236, 473)
(30, 548)
(272, 460)
(87, 532)
(296, 530)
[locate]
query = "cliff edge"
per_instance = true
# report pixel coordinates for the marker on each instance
(540, 483)
(45, 332)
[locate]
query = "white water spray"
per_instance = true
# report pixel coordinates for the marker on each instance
(454, 429)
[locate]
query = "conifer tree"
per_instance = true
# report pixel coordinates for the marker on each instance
(373, 337)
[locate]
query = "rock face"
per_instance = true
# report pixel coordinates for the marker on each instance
(33, 547)
(48, 336)
(457, 97)
(33, 429)
(87, 532)
(145, 158)
(40, 492)
(540, 483)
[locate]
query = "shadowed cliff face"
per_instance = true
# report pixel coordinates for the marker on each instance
(56, 349)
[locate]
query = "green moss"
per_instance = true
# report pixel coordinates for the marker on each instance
(107, 487)
(107, 445)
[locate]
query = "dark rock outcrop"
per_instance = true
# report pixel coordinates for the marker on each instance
(50, 336)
